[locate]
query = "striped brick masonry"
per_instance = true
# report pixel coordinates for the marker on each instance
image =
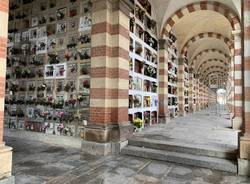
(244, 142)
(191, 90)
(197, 6)
(196, 58)
(181, 99)
(109, 78)
(238, 80)
(200, 36)
(5, 151)
(163, 82)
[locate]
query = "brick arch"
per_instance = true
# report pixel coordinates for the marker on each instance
(200, 36)
(220, 74)
(208, 68)
(214, 71)
(207, 51)
(211, 60)
(198, 6)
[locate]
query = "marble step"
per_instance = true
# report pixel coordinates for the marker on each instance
(218, 151)
(182, 158)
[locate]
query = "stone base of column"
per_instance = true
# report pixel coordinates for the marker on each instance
(244, 155)
(237, 123)
(8, 180)
(105, 140)
(6, 163)
(164, 119)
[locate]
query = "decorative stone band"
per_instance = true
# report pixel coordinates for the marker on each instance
(200, 36)
(196, 57)
(197, 6)
(212, 62)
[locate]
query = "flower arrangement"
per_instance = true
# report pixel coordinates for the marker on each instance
(41, 87)
(138, 122)
(80, 97)
(84, 39)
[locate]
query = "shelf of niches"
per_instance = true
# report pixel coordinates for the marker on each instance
(142, 24)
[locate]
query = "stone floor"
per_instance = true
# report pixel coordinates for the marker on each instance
(206, 128)
(36, 163)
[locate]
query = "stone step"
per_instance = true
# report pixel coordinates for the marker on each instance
(182, 158)
(218, 151)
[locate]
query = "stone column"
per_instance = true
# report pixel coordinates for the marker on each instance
(181, 99)
(198, 95)
(191, 90)
(5, 151)
(108, 128)
(244, 142)
(237, 100)
(163, 82)
(231, 92)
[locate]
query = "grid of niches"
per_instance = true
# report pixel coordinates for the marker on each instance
(48, 65)
(143, 74)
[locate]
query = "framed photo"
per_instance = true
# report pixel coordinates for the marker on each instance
(86, 7)
(41, 45)
(61, 27)
(42, 32)
(84, 38)
(34, 21)
(42, 19)
(61, 42)
(49, 72)
(51, 29)
(84, 69)
(72, 70)
(84, 53)
(61, 13)
(52, 17)
(17, 37)
(73, 24)
(51, 43)
(33, 34)
(25, 36)
(84, 85)
(11, 39)
(73, 11)
(60, 70)
(85, 23)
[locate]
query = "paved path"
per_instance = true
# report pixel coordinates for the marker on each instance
(208, 127)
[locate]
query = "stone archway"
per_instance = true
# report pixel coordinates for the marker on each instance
(198, 6)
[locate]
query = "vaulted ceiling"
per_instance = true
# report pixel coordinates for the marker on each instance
(209, 56)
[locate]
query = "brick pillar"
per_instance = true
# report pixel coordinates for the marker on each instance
(237, 100)
(108, 127)
(5, 151)
(181, 99)
(163, 82)
(244, 142)
(231, 92)
(198, 104)
(191, 90)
